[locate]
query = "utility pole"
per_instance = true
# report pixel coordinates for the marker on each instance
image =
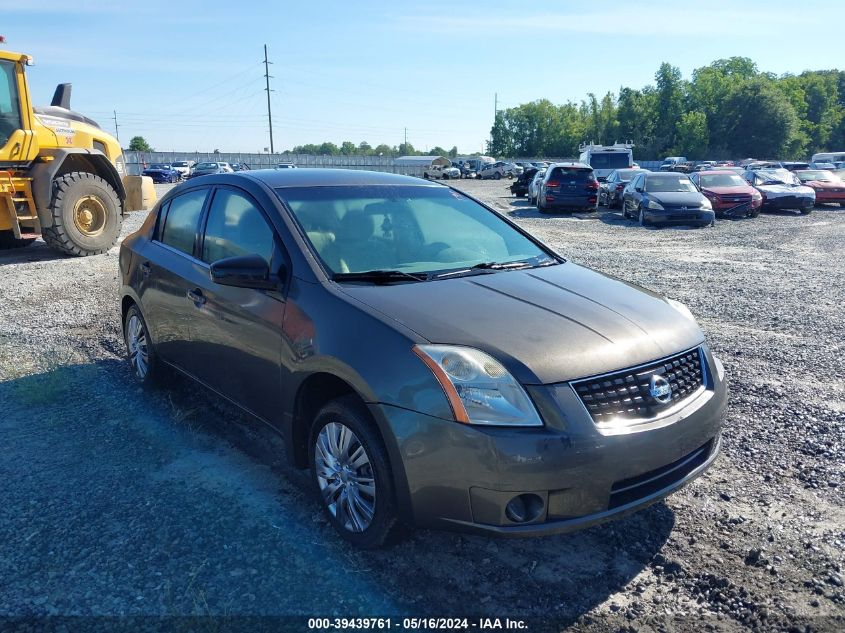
(495, 105)
(116, 133)
(406, 139)
(267, 81)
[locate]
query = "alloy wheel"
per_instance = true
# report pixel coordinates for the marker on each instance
(136, 341)
(345, 476)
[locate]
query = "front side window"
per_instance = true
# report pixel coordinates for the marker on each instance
(409, 228)
(10, 109)
(235, 227)
(180, 225)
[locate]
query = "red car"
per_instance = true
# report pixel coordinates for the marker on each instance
(729, 194)
(827, 185)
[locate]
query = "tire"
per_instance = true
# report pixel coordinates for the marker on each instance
(371, 517)
(85, 195)
(641, 217)
(806, 210)
(146, 368)
(497, 176)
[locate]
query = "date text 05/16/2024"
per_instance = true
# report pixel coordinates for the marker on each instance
(410, 624)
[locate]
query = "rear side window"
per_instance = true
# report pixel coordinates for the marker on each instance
(235, 227)
(180, 226)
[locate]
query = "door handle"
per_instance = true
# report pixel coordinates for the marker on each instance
(196, 296)
(146, 269)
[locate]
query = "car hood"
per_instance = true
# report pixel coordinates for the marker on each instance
(678, 198)
(547, 325)
(734, 190)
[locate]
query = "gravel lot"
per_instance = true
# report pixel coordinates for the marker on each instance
(118, 502)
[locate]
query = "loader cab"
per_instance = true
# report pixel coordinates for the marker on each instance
(17, 143)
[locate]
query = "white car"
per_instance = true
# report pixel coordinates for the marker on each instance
(441, 172)
(183, 167)
(499, 169)
(534, 186)
(285, 166)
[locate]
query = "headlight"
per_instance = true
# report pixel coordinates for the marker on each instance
(706, 205)
(680, 307)
(478, 387)
(653, 204)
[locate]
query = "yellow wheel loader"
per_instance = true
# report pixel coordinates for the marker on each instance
(61, 175)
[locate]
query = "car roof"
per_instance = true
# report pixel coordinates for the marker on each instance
(714, 172)
(317, 177)
(572, 164)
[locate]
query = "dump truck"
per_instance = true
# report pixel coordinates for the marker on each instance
(61, 175)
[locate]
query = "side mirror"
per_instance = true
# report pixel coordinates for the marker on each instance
(638, 189)
(247, 271)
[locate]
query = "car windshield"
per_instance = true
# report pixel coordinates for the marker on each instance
(820, 175)
(667, 184)
(181, 163)
(776, 176)
(206, 166)
(576, 174)
(721, 180)
(625, 175)
(405, 228)
(159, 166)
(610, 160)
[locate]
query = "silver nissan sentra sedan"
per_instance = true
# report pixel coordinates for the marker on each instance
(428, 360)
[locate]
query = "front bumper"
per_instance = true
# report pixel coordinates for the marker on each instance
(700, 217)
(788, 202)
(461, 477)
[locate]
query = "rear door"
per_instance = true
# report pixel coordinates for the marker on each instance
(169, 270)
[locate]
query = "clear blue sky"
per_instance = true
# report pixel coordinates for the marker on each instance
(187, 75)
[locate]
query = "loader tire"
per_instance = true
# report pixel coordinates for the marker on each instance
(86, 214)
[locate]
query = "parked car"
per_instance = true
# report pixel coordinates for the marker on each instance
(829, 188)
(285, 166)
(183, 167)
(206, 168)
(610, 191)
(162, 172)
(465, 167)
(369, 319)
(240, 167)
(441, 172)
(519, 188)
(498, 170)
(671, 161)
(828, 166)
(568, 186)
(763, 164)
(781, 189)
(534, 185)
(728, 193)
(656, 198)
(704, 165)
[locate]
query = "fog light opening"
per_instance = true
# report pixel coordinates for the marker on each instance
(524, 508)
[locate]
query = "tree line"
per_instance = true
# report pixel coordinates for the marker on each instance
(728, 109)
(348, 148)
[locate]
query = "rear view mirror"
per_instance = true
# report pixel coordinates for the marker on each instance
(247, 271)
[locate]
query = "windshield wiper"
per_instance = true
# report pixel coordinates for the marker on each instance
(381, 276)
(483, 266)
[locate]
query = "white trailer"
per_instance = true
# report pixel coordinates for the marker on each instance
(605, 158)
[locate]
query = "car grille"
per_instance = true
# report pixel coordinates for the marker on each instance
(624, 396)
(633, 489)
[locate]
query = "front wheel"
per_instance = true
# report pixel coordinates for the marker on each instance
(86, 214)
(351, 473)
(497, 176)
(641, 217)
(806, 210)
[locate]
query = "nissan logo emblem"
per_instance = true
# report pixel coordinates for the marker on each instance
(660, 389)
